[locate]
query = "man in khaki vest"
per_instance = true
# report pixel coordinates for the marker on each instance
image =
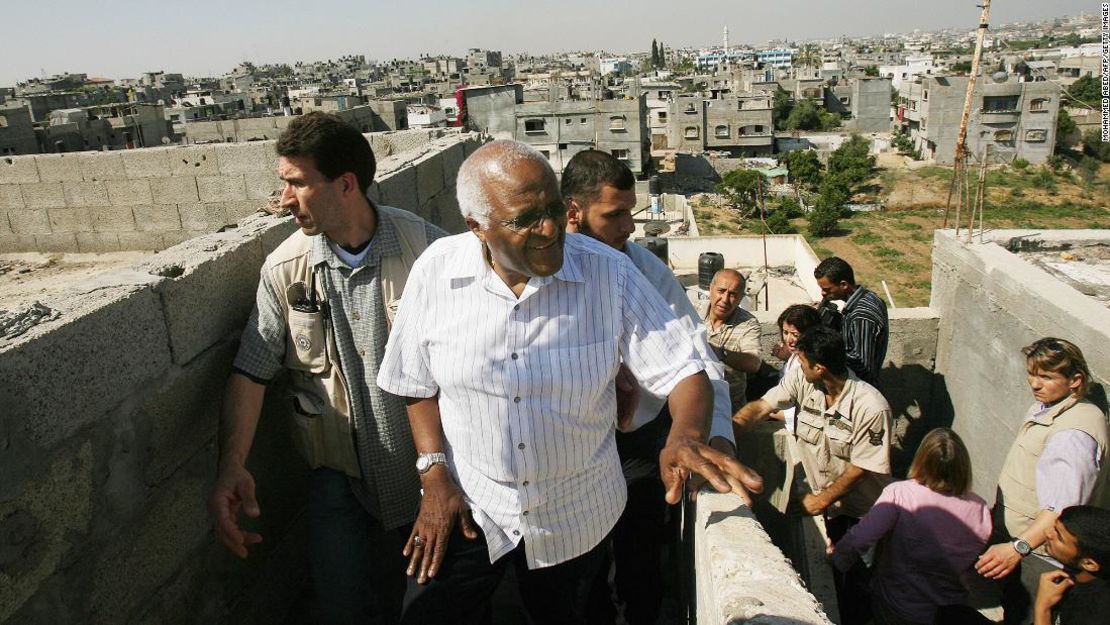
(322, 314)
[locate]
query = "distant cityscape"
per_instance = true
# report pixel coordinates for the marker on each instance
(743, 100)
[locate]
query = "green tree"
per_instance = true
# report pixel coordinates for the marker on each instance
(778, 222)
(1087, 91)
(781, 107)
(852, 161)
(1065, 129)
(654, 54)
(871, 70)
(742, 187)
(808, 56)
(824, 218)
(804, 167)
(1094, 145)
(963, 67)
(804, 116)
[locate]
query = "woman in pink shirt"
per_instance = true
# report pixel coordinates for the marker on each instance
(929, 530)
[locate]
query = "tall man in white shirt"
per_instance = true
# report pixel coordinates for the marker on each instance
(507, 346)
(600, 194)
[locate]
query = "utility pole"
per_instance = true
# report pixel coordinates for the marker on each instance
(959, 171)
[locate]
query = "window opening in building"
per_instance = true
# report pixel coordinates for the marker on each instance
(533, 125)
(692, 132)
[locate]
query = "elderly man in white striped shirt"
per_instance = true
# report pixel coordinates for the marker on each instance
(506, 346)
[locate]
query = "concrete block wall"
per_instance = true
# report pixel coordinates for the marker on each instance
(992, 303)
(109, 442)
(154, 198)
(742, 577)
(109, 431)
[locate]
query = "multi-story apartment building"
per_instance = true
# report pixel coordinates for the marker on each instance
(740, 124)
(1009, 119)
(562, 129)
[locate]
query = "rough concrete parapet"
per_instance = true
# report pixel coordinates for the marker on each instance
(992, 303)
(742, 577)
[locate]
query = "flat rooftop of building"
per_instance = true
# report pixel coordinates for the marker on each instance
(30, 277)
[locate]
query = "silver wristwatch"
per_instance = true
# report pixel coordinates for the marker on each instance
(425, 462)
(1021, 547)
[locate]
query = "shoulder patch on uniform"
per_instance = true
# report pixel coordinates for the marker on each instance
(875, 437)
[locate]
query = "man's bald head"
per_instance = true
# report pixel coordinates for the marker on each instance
(501, 164)
(725, 292)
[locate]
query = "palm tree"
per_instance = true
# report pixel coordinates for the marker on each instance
(808, 55)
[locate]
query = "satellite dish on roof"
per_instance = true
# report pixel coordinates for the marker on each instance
(999, 77)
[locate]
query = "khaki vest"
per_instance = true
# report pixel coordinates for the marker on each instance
(319, 403)
(1018, 481)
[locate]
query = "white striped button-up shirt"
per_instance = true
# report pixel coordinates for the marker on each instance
(526, 392)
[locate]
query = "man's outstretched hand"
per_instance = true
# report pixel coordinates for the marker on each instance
(685, 457)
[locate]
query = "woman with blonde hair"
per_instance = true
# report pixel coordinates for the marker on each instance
(929, 528)
(1056, 461)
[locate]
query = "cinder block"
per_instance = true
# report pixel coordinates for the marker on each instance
(429, 177)
(166, 535)
(17, 243)
(97, 242)
(262, 185)
(44, 195)
(183, 415)
(452, 157)
(202, 217)
(129, 192)
(192, 160)
(146, 163)
(234, 211)
(221, 188)
(374, 192)
(174, 189)
(446, 213)
(107, 344)
(399, 189)
(170, 239)
(18, 170)
(138, 241)
(212, 292)
(56, 242)
(30, 222)
(157, 217)
(70, 220)
(58, 167)
(113, 219)
(240, 158)
(85, 194)
(101, 166)
(11, 197)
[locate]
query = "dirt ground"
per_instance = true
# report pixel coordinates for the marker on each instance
(26, 278)
(895, 245)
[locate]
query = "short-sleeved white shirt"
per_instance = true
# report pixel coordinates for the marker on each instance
(526, 392)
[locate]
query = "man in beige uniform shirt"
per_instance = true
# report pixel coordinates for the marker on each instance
(843, 430)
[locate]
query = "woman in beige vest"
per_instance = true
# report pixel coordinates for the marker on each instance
(1056, 461)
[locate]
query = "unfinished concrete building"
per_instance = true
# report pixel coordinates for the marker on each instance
(1009, 119)
(559, 130)
(865, 102)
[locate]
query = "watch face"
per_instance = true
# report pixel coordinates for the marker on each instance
(1022, 547)
(423, 464)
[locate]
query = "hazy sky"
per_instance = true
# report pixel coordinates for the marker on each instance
(122, 38)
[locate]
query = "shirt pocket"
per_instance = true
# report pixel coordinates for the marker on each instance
(809, 427)
(840, 443)
(306, 349)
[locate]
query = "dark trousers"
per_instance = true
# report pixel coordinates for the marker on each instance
(853, 586)
(635, 556)
(461, 591)
(358, 572)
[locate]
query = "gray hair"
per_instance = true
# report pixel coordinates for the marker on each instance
(492, 161)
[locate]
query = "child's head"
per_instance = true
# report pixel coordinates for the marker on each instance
(1056, 369)
(1080, 540)
(942, 463)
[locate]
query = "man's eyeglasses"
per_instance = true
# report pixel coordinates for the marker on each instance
(530, 221)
